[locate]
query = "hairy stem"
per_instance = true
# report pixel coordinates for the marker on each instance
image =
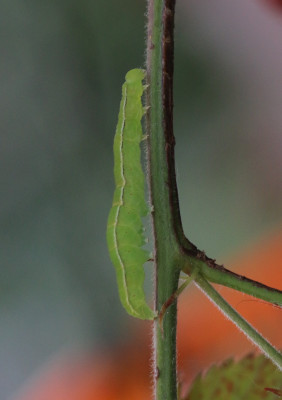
(163, 190)
(173, 251)
(218, 274)
(239, 321)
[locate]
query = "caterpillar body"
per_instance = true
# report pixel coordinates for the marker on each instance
(125, 235)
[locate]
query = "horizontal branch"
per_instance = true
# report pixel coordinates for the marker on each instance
(218, 274)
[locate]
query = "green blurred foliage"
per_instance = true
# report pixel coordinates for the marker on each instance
(246, 378)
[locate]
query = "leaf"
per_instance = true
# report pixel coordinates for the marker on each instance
(251, 378)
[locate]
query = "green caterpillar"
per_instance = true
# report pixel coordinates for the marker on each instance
(125, 228)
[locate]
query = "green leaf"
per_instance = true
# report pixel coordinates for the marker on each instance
(251, 378)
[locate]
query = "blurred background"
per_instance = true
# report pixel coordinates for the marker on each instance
(62, 67)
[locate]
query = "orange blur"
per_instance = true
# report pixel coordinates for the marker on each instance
(204, 337)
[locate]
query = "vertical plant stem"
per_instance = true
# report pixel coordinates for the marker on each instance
(163, 190)
(170, 242)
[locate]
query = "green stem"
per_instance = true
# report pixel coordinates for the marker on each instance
(218, 274)
(162, 189)
(172, 299)
(240, 322)
(173, 251)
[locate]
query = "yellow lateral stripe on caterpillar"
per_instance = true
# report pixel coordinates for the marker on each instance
(125, 228)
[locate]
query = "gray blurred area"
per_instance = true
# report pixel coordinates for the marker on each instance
(62, 66)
